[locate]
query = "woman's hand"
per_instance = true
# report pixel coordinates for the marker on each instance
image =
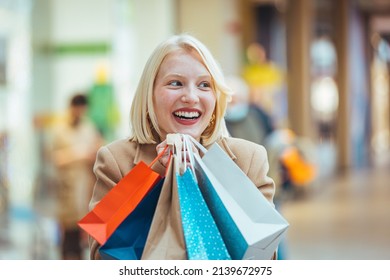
(164, 159)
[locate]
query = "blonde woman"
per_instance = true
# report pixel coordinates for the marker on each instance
(181, 90)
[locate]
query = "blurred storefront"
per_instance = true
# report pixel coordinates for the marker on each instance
(325, 48)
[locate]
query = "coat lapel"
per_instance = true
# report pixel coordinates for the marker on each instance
(224, 145)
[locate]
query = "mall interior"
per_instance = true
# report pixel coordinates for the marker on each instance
(318, 69)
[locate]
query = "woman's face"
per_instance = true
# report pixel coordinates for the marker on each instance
(183, 97)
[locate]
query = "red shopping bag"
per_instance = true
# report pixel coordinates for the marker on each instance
(120, 201)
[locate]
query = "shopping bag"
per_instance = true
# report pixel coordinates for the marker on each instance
(165, 240)
(120, 201)
(202, 237)
(250, 226)
(128, 240)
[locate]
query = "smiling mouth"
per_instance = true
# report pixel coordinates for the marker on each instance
(187, 115)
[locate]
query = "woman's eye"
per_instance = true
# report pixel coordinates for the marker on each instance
(204, 85)
(175, 83)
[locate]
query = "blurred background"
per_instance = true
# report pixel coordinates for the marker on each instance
(312, 85)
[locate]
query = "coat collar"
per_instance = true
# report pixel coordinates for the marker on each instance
(224, 145)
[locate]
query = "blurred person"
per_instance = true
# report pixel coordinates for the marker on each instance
(181, 90)
(243, 118)
(74, 144)
(295, 156)
(263, 77)
(288, 154)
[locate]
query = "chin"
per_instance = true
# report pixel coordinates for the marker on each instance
(191, 133)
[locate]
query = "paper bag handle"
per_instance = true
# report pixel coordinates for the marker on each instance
(197, 144)
(188, 147)
(158, 156)
(180, 142)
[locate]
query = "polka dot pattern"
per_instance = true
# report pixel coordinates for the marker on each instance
(202, 237)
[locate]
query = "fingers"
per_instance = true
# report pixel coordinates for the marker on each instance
(185, 155)
(165, 157)
(160, 147)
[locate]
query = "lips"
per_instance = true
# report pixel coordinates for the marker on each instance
(187, 116)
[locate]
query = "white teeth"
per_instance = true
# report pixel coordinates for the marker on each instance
(187, 115)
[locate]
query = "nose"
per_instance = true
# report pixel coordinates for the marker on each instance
(190, 95)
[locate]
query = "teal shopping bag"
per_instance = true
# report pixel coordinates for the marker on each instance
(202, 237)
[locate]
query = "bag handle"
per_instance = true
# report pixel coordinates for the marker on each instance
(197, 144)
(188, 148)
(182, 149)
(158, 156)
(175, 142)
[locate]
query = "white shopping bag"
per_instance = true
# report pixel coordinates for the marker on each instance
(250, 226)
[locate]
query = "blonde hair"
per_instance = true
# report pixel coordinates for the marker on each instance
(144, 124)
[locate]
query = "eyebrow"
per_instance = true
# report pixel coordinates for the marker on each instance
(203, 76)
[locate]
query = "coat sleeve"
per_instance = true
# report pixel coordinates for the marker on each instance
(107, 174)
(252, 159)
(258, 173)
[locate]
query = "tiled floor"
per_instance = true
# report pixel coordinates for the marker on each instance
(345, 217)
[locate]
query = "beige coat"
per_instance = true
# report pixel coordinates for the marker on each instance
(116, 159)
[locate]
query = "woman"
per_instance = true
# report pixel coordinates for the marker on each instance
(181, 90)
